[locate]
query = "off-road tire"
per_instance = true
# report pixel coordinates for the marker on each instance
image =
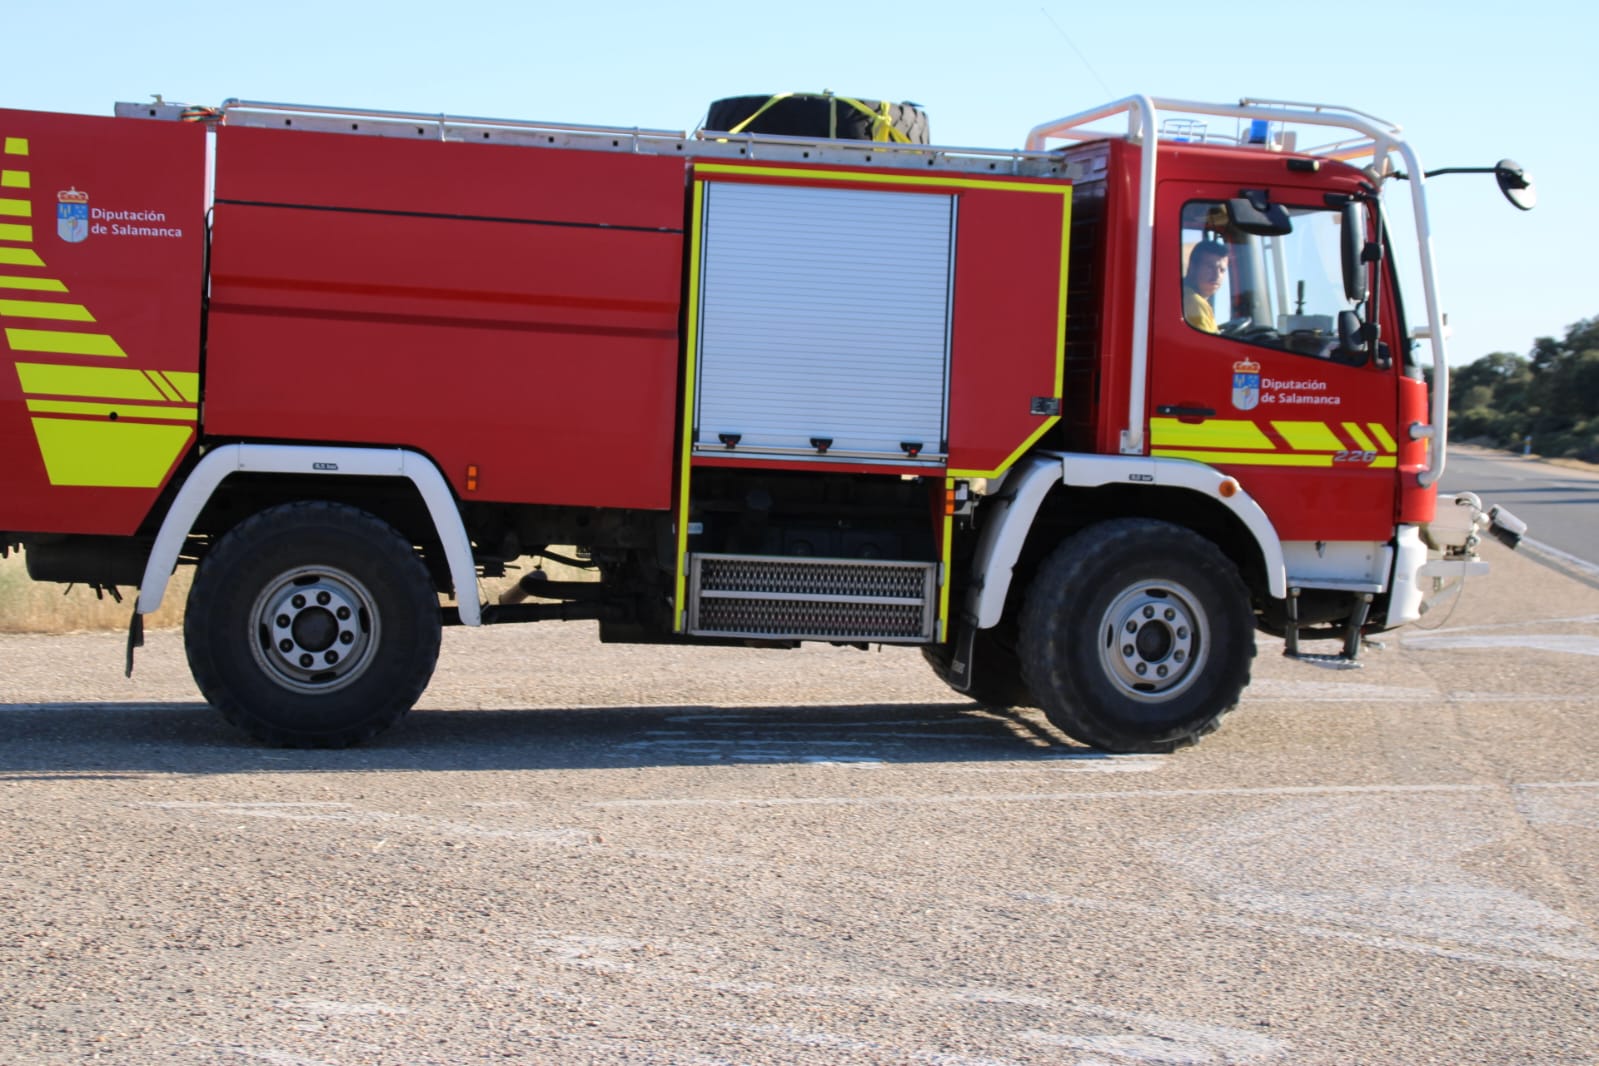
(812, 115)
(1136, 636)
(312, 625)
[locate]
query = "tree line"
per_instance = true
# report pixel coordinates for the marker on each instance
(1550, 395)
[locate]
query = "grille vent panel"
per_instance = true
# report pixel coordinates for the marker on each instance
(787, 598)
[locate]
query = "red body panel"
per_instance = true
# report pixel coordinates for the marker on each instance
(100, 304)
(512, 309)
(1004, 348)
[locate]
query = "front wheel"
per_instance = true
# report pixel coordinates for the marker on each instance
(312, 625)
(1137, 636)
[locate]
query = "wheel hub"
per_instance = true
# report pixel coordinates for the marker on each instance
(1154, 640)
(315, 629)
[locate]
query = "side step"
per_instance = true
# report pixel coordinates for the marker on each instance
(1348, 659)
(763, 597)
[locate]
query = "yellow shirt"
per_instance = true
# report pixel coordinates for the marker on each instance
(1197, 310)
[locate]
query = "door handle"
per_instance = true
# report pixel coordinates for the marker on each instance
(1174, 411)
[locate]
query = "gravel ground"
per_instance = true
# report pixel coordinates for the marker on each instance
(582, 854)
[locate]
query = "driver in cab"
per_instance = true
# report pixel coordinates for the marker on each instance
(1207, 268)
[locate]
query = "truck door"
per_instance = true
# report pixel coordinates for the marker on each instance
(1246, 370)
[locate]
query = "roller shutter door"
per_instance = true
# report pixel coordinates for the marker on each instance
(824, 314)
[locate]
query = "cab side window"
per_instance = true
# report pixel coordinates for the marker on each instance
(1283, 291)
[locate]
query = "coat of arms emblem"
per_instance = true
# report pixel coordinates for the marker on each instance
(1246, 385)
(72, 215)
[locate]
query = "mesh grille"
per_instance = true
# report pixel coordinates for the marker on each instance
(800, 619)
(783, 576)
(811, 599)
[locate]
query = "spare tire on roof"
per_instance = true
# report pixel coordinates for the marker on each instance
(824, 115)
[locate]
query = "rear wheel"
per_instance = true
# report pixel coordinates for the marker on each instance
(1137, 636)
(312, 625)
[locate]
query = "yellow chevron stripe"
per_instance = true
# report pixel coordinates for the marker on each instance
(186, 383)
(1308, 436)
(15, 179)
(1212, 433)
(16, 146)
(16, 208)
(20, 257)
(61, 343)
(1359, 437)
(109, 454)
(93, 382)
(163, 385)
(1382, 435)
(44, 309)
(107, 410)
(15, 231)
(11, 281)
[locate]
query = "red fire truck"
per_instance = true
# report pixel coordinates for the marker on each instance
(1076, 419)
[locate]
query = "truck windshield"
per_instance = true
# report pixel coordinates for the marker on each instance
(1281, 292)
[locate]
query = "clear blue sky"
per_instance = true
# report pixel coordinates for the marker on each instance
(1470, 81)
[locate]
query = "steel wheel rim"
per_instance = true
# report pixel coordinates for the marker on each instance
(1154, 640)
(314, 629)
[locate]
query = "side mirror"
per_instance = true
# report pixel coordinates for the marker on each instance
(1516, 184)
(1357, 341)
(1353, 247)
(1260, 219)
(1351, 335)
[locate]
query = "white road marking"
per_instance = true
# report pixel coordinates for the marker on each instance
(1559, 643)
(1035, 797)
(344, 814)
(331, 1008)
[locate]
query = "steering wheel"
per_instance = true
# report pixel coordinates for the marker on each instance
(1234, 326)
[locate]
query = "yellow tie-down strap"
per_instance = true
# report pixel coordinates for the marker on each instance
(882, 119)
(1244, 442)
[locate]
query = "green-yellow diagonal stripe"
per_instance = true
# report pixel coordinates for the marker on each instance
(45, 309)
(15, 179)
(185, 382)
(1308, 436)
(20, 257)
(1359, 436)
(16, 208)
(12, 281)
(15, 231)
(63, 343)
(91, 382)
(1211, 433)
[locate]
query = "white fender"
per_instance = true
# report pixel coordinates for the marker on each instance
(330, 462)
(1025, 486)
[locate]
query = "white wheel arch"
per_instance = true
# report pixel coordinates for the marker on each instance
(229, 459)
(1030, 481)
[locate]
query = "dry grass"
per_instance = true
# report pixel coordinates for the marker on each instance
(28, 606)
(45, 607)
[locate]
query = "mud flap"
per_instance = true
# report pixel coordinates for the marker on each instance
(960, 667)
(135, 639)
